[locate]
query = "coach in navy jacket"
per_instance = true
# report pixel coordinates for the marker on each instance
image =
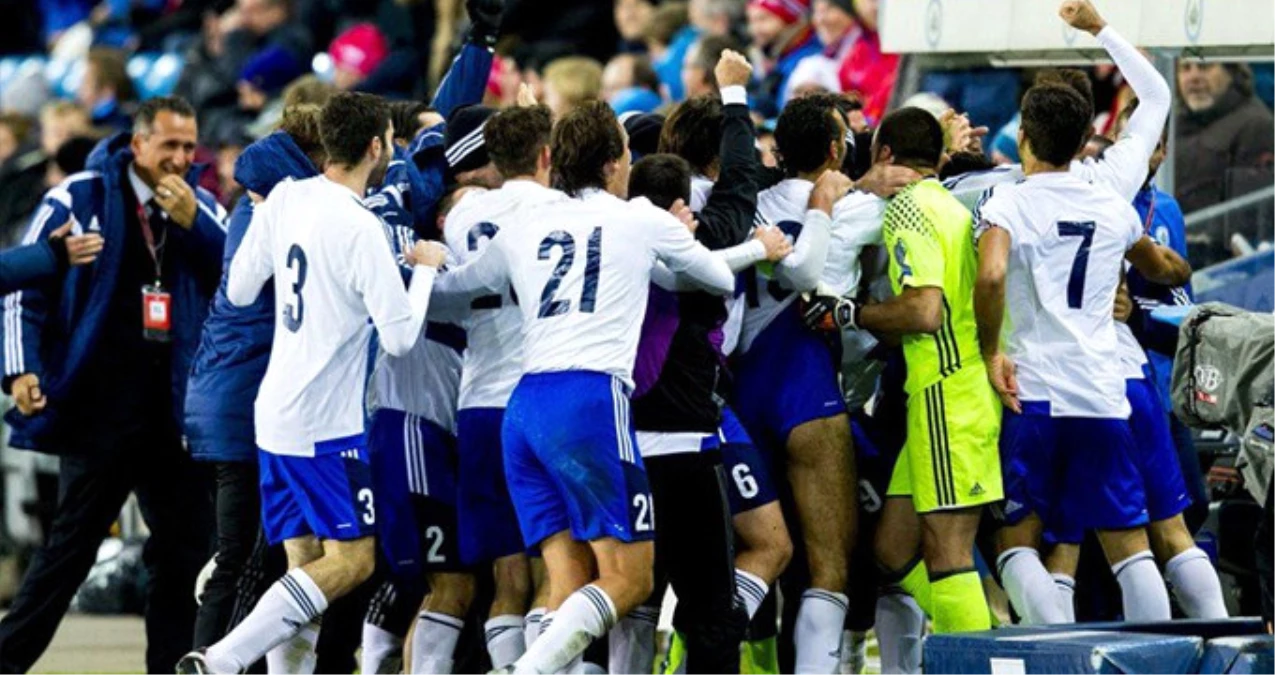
(95, 388)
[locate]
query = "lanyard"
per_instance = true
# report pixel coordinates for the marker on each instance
(156, 250)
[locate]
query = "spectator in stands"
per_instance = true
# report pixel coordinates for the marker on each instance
(835, 26)
(59, 15)
(629, 83)
(15, 129)
(261, 85)
(631, 17)
(60, 121)
(159, 229)
(1225, 142)
(213, 66)
(356, 53)
(669, 35)
(867, 70)
(698, 78)
(782, 37)
(106, 90)
(716, 17)
(570, 81)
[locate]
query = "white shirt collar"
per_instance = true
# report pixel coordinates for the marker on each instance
(143, 192)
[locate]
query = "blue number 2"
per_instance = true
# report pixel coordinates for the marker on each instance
(592, 269)
(476, 234)
(294, 311)
(1076, 284)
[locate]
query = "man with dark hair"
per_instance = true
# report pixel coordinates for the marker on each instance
(662, 178)
(698, 77)
(487, 526)
(332, 273)
(575, 477)
(1066, 408)
(78, 336)
(693, 131)
(949, 466)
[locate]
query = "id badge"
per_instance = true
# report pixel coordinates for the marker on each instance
(157, 314)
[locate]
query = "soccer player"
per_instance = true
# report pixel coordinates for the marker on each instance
(786, 387)
(332, 270)
(517, 140)
(1066, 446)
(949, 467)
(580, 268)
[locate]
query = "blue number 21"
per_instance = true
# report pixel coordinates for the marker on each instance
(592, 267)
(1076, 284)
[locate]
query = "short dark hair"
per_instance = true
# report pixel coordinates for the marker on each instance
(146, 113)
(1055, 121)
(348, 124)
(914, 137)
(582, 143)
(806, 127)
(661, 178)
(964, 162)
(514, 138)
(708, 51)
(693, 131)
(1077, 79)
(406, 116)
(644, 76)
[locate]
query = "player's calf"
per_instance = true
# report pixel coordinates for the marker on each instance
(438, 625)
(1142, 589)
(822, 475)
(1187, 569)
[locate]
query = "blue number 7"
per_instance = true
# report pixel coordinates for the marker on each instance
(1076, 284)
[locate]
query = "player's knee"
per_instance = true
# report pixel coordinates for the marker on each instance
(451, 593)
(1170, 537)
(513, 580)
(778, 552)
(358, 561)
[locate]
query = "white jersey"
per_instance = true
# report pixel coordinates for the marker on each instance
(493, 357)
(332, 268)
(424, 382)
(581, 270)
(783, 206)
(1068, 242)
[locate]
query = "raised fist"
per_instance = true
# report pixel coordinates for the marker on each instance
(1081, 15)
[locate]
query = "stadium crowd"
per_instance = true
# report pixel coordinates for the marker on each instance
(829, 362)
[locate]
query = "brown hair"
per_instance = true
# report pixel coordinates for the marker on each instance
(514, 138)
(576, 78)
(582, 143)
(665, 21)
(307, 89)
(301, 122)
(110, 70)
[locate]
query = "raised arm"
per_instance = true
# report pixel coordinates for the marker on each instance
(1157, 263)
(466, 80)
(727, 217)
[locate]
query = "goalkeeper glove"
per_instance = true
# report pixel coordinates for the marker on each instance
(824, 311)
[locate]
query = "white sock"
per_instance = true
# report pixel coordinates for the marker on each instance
(1145, 597)
(296, 654)
(378, 645)
(434, 641)
(531, 625)
(899, 625)
(286, 607)
(632, 642)
(585, 616)
(1030, 588)
(817, 637)
(1066, 587)
(854, 652)
(750, 590)
(505, 642)
(1195, 584)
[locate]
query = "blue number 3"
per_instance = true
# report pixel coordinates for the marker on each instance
(592, 268)
(1076, 284)
(294, 311)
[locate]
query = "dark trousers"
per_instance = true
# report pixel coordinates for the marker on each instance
(92, 488)
(694, 551)
(246, 564)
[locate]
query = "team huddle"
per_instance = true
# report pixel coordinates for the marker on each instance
(601, 378)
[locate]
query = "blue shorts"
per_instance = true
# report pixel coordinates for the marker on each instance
(571, 459)
(329, 495)
(787, 378)
(750, 484)
(414, 473)
(1076, 473)
(1156, 455)
(488, 522)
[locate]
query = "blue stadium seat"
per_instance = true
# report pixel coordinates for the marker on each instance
(139, 65)
(162, 76)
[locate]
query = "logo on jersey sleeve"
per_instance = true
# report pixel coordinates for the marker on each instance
(901, 259)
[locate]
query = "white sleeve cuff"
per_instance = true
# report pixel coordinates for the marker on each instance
(1108, 36)
(734, 94)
